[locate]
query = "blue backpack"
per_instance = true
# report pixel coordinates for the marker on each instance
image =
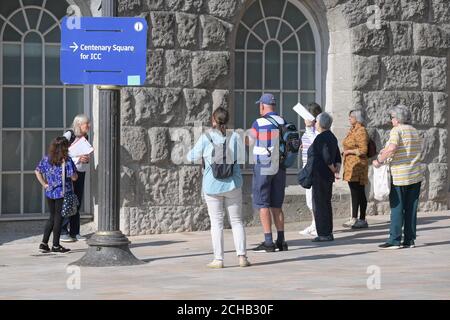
(289, 142)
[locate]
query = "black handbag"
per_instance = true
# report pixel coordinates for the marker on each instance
(305, 175)
(70, 201)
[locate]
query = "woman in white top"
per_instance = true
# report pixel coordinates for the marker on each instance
(80, 128)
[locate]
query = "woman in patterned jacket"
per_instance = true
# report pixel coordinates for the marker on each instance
(356, 166)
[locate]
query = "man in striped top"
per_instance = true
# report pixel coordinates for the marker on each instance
(405, 149)
(269, 179)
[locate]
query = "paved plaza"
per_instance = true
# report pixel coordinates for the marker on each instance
(351, 267)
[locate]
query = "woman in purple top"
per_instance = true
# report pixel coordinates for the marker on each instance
(49, 173)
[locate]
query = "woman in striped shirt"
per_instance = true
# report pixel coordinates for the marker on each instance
(405, 149)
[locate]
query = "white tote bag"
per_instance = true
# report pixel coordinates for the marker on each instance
(382, 182)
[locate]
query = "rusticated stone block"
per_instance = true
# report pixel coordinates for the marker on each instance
(424, 186)
(355, 11)
(420, 108)
(430, 145)
(185, 5)
(155, 5)
(438, 186)
(330, 4)
(366, 72)
(178, 68)
(182, 143)
(127, 104)
(357, 100)
(155, 106)
(199, 106)
(401, 72)
(127, 186)
(225, 9)
(187, 30)
(220, 99)
(441, 11)
(390, 9)
(159, 185)
(369, 41)
(208, 68)
(379, 102)
(443, 142)
(159, 144)
(155, 67)
(415, 10)
(133, 140)
(215, 32)
(430, 206)
(440, 107)
(434, 74)
(401, 37)
(430, 39)
(163, 29)
(190, 185)
(155, 220)
(130, 8)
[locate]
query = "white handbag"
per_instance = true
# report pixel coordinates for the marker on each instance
(382, 182)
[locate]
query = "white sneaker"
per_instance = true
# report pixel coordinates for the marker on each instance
(80, 237)
(350, 223)
(313, 233)
(215, 264)
(306, 231)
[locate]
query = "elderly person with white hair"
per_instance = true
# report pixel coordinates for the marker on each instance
(356, 167)
(80, 128)
(324, 162)
(404, 148)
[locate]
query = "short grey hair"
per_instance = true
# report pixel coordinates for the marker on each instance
(358, 115)
(401, 113)
(325, 120)
(77, 122)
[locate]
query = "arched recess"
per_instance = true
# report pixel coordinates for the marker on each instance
(35, 106)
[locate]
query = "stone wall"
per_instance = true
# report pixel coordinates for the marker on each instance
(190, 73)
(405, 61)
(188, 76)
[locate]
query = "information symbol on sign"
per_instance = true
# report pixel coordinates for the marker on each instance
(138, 26)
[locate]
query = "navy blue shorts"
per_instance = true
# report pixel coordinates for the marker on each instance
(268, 190)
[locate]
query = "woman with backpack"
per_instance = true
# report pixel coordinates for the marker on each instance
(222, 185)
(49, 173)
(80, 128)
(356, 168)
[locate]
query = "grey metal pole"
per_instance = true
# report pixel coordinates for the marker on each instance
(108, 246)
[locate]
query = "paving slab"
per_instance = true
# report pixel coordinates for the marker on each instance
(351, 267)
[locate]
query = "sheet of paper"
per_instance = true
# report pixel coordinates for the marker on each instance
(302, 112)
(80, 148)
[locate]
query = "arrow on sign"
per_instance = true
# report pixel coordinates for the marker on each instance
(74, 47)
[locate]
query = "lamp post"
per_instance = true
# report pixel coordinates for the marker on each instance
(108, 246)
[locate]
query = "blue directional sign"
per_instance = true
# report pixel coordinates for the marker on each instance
(107, 50)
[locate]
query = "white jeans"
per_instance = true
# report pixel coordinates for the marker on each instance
(233, 203)
(310, 206)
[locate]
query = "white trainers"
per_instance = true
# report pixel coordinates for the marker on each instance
(350, 223)
(243, 262)
(309, 231)
(305, 232)
(215, 264)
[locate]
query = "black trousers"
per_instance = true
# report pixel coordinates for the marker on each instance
(54, 221)
(322, 192)
(74, 221)
(359, 200)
